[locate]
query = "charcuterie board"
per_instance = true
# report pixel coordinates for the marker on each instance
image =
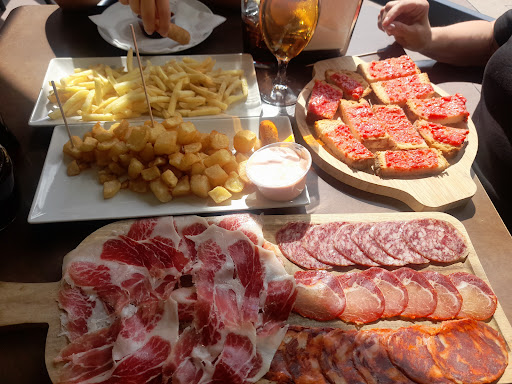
(37, 302)
(451, 188)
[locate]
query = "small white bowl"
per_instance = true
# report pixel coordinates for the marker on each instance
(279, 170)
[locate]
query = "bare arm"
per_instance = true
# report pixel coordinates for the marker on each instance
(466, 43)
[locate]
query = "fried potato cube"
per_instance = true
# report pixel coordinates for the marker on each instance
(121, 130)
(219, 194)
(241, 157)
(187, 133)
(148, 153)
(138, 185)
(243, 173)
(192, 147)
(88, 157)
(268, 132)
(160, 190)
(216, 175)
(119, 148)
(89, 144)
(116, 169)
(74, 152)
(159, 161)
(231, 166)
(102, 158)
(244, 141)
(187, 161)
(218, 140)
(234, 183)
(175, 159)
(165, 143)
(125, 159)
(110, 188)
(204, 139)
(182, 188)
(156, 131)
(101, 134)
(151, 173)
(257, 145)
(135, 168)
(197, 168)
(200, 185)
(221, 157)
(172, 122)
(107, 144)
(138, 138)
(169, 178)
(73, 168)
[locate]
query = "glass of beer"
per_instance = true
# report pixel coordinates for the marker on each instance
(287, 27)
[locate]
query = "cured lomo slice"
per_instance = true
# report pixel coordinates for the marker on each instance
(394, 292)
(449, 300)
(422, 296)
(478, 300)
(318, 241)
(436, 240)
(336, 357)
(371, 358)
(319, 295)
(289, 238)
(407, 349)
(364, 300)
(361, 236)
(347, 247)
(388, 235)
(468, 351)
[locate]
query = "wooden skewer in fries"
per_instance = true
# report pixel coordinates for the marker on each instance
(62, 112)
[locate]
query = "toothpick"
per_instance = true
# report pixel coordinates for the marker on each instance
(142, 76)
(62, 112)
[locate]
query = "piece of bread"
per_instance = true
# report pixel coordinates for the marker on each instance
(403, 135)
(416, 162)
(364, 125)
(353, 85)
(342, 144)
(399, 90)
(387, 69)
(448, 140)
(442, 110)
(323, 101)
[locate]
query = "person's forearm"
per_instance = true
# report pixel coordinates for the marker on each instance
(466, 43)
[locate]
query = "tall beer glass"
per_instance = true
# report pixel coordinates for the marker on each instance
(287, 27)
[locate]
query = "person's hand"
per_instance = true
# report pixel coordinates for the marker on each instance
(155, 14)
(407, 21)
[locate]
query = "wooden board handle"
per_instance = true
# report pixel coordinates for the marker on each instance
(22, 303)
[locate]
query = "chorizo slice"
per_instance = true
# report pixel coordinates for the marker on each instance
(394, 292)
(478, 300)
(422, 296)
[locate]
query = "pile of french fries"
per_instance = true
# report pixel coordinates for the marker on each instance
(170, 159)
(187, 87)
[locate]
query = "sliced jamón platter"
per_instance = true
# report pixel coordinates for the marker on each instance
(452, 187)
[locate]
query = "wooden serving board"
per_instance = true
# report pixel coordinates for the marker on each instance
(452, 187)
(22, 303)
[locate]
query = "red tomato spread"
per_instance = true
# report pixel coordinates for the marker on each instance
(403, 88)
(323, 102)
(392, 68)
(364, 121)
(443, 107)
(349, 85)
(448, 135)
(346, 142)
(413, 159)
(397, 125)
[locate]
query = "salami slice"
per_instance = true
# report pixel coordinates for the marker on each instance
(388, 235)
(394, 292)
(318, 241)
(289, 240)
(364, 300)
(336, 357)
(407, 349)
(319, 295)
(361, 236)
(372, 360)
(436, 240)
(478, 300)
(344, 244)
(422, 296)
(449, 300)
(468, 351)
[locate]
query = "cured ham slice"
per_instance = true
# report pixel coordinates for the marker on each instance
(370, 248)
(289, 239)
(436, 240)
(394, 292)
(422, 296)
(407, 349)
(478, 300)
(250, 225)
(319, 295)
(344, 244)
(469, 352)
(318, 241)
(449, 300)
(388, 235)
(365, 302)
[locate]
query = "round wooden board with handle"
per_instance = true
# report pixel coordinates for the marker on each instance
(441, 192)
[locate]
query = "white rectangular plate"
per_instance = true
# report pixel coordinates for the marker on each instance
(60, 197)
(62, 67)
